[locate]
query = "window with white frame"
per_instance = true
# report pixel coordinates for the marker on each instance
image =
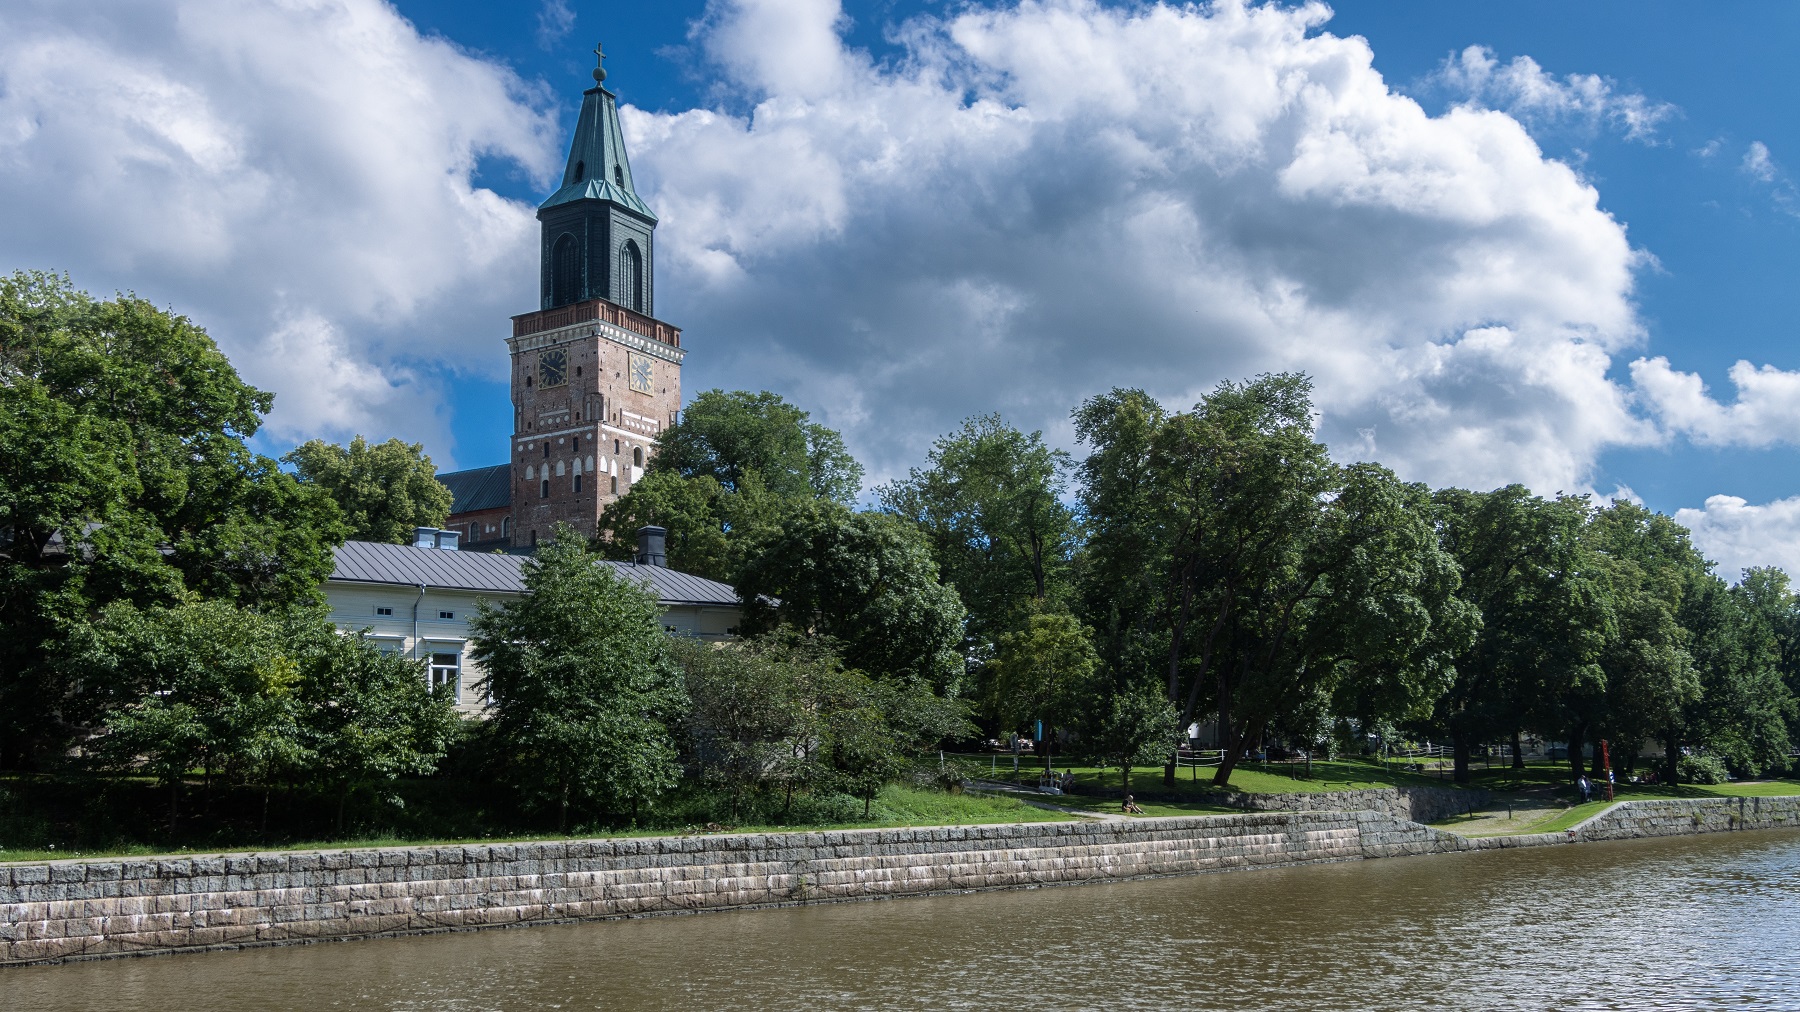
(446, 670)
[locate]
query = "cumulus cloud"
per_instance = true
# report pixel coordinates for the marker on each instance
(1525, 90)
(1041, 201)
(1766, 412)
(1738, 535)
(295, 175)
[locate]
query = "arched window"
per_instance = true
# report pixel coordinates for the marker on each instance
(565, 271)
(580, 171)
(578, 484)
(506, 527)
(618, 174)
(637, 456)
(631, 276)
(530, 472)
(544, 489)
(615, 485)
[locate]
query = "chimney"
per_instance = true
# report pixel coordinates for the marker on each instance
(448, 540)
(424, 537)
(651, 551)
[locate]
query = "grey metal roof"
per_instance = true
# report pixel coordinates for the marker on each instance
(404, 565)
(479, 488)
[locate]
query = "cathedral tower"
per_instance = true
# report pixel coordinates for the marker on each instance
(595, 376)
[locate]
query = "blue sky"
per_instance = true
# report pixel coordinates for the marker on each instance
(871, 213)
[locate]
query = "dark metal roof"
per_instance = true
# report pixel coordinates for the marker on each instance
(479, 488)
(406, 566)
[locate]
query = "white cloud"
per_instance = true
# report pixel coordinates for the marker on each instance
(1758, 164)
(1045, 200)
(1766, 412)
(296, 175)
(1525, 90)
(555, 21)
(1738, 536)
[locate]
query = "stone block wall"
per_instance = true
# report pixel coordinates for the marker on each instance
(75, 909)
(1638, 819)
(86, 909)
(1417, 804)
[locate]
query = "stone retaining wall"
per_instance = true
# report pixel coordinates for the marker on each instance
(1635, 819)
(86, 909)
(1417, 804)
(74, 909)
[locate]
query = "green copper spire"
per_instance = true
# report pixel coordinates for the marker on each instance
(597, 167)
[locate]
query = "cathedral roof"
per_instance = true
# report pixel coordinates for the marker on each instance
(597, 168)
(479, 488)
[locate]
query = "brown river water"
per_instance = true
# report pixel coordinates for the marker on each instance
(1688, 923)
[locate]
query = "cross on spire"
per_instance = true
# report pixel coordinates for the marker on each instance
(599, 60)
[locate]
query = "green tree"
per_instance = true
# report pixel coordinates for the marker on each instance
(1119, 565)
(864, 580)
(710, 527)
(1743, 708)
(583, 689)
(1255, 573)
(990, 502)
(1526, 567)
(729, 435)
(756, 718)
(383, 491)
(366, 718)
(124, 476)
(1138, 728)
(202, 685)
(1647, 679)
(1046, 671)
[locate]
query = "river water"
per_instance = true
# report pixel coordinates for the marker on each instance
(1687, 923)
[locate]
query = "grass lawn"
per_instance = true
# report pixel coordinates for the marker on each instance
(895, 806)
(1572, 814)
(1269, 778)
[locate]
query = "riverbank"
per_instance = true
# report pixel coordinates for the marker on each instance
(93, 909)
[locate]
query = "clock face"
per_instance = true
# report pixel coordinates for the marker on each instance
(640, 374)
(553, 368)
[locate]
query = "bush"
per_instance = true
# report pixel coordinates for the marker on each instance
(1701, 769)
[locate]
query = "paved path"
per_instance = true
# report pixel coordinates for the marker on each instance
(1508, 812)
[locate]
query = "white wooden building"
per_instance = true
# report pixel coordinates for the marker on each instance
(418, 599)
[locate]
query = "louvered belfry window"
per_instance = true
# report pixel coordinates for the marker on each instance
(565, 271)
(631, 277)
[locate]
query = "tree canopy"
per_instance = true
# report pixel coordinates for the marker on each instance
(124, 477)
(384, 490)
(581, 685)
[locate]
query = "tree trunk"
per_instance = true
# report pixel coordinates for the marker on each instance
(174, 799)
(1518, 752)
(1671, 758)
(867, 799)
(1577, 741)
(1459, 758)
(265, 814)
(562, 811)
(343, 800)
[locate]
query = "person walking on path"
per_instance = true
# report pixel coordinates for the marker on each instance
(1586, 787)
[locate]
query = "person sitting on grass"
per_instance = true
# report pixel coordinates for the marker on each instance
(1131, 806)
(1068, 781)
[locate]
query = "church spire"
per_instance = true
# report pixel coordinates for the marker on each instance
(599, 235)
(597, 168)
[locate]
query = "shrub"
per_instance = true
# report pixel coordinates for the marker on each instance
(1701, 769)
